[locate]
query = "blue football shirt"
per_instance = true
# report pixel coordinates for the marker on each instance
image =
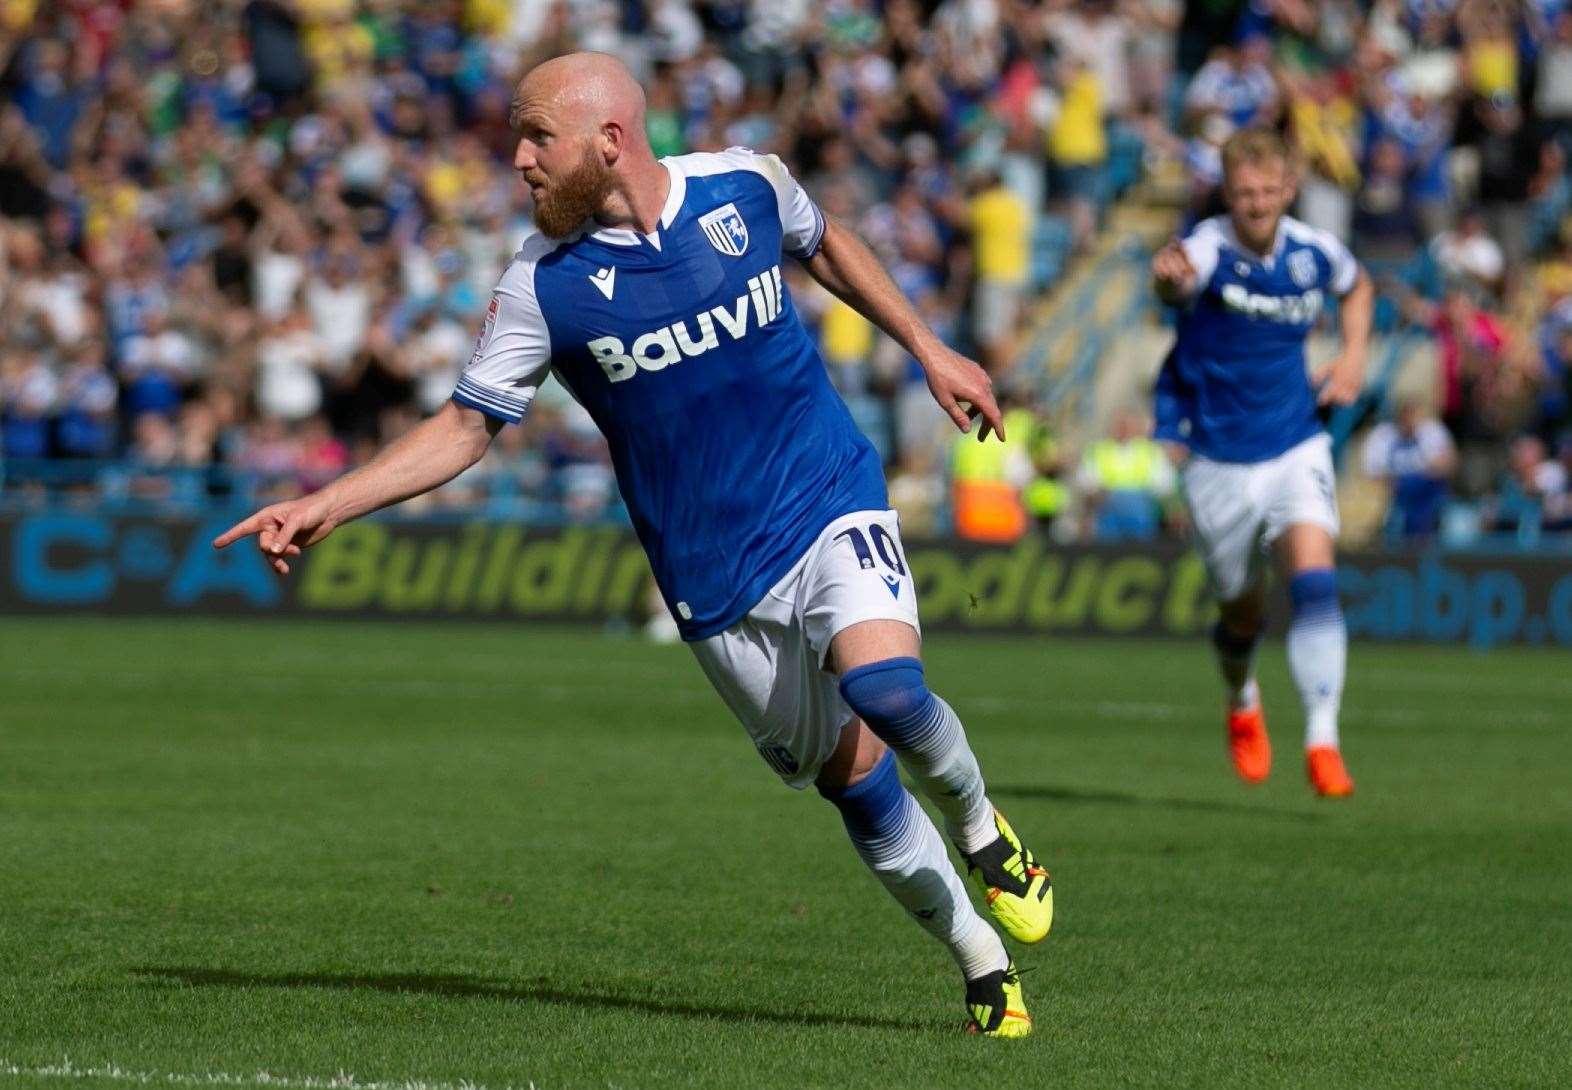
(731, 448)
(1235, 386)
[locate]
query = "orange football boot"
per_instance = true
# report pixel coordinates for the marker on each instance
(1248, 744)
(1324, 765)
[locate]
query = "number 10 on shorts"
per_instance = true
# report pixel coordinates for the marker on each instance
(884, 546)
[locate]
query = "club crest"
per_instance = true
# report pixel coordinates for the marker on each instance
(1301, 266)
(726, 230)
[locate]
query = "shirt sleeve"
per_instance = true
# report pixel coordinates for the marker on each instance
(802, 224)
(512, 355)
(1345, 267)
(1202, 246)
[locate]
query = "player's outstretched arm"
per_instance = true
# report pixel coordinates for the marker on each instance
(433, 453)
(849, 270)
(1341, 380)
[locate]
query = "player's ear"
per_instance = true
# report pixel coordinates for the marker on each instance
(612, 141)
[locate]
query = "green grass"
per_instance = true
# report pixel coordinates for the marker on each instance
(513, 855)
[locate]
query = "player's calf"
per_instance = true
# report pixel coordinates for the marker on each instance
(892, 698)
(1317, 658)
(900, 845)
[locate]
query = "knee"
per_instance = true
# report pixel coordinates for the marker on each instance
(887, 695)
(857, 754)
(1242, 618)
(1232, 639)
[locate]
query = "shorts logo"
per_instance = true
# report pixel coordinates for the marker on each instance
(1301, 267)
(780, 759)
(1323, 486)
(726, 230)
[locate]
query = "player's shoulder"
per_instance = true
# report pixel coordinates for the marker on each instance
(1206, 240)
(705, 164)
(533, 252)
(1212, 231)
(535, 248)
(1298, 233)
(519, 280)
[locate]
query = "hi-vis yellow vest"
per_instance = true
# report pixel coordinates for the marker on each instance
(987, 506)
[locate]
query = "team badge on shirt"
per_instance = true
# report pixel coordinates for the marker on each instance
(726, 230)
(1301, 266)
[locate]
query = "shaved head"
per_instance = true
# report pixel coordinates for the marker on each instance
(588, 88)
(582, 145)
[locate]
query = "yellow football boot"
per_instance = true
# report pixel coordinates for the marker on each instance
(996, 1006)
(1018, 890)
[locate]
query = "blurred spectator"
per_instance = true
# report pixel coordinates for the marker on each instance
(999, 222)
(1322, 121)
(1078, 145)
(1047, 496)
(1509, 161)
(1236, 84)
(1466, 253)
(1413, 455)
(1386, 220)
(28, 391)
(1124, 481)
(89, 398)
(1532, 491)
(986, 479)
(1553, 82)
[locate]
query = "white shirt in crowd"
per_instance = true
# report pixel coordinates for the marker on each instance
(342, 316)
(1387, 455)
(287, 384)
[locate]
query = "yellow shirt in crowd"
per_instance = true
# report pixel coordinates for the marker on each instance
(844, 335)
(1001, 229)
(1076, 138)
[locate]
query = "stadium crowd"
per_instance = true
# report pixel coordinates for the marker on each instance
(245, 243)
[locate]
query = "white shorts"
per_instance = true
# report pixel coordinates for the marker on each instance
(769, 666)
(1240, 509)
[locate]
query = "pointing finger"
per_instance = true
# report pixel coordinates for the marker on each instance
(244, 528)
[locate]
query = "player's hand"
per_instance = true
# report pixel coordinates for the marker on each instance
(282, 530)
(1172, 269)
(1339, 382)
(963, 390)
(1178, 454)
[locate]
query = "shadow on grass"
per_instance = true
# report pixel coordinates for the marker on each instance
(539, 991)
(1160, 802)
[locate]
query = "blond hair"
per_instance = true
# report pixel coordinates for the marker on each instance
(1255, 147)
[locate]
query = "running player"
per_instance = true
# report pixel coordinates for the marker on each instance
(1235, 400)
(654, 292)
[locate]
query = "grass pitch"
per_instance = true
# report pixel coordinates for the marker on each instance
(442, 854)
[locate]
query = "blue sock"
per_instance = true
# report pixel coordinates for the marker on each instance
(892, 697)
(1318, 651)
(899, 844)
